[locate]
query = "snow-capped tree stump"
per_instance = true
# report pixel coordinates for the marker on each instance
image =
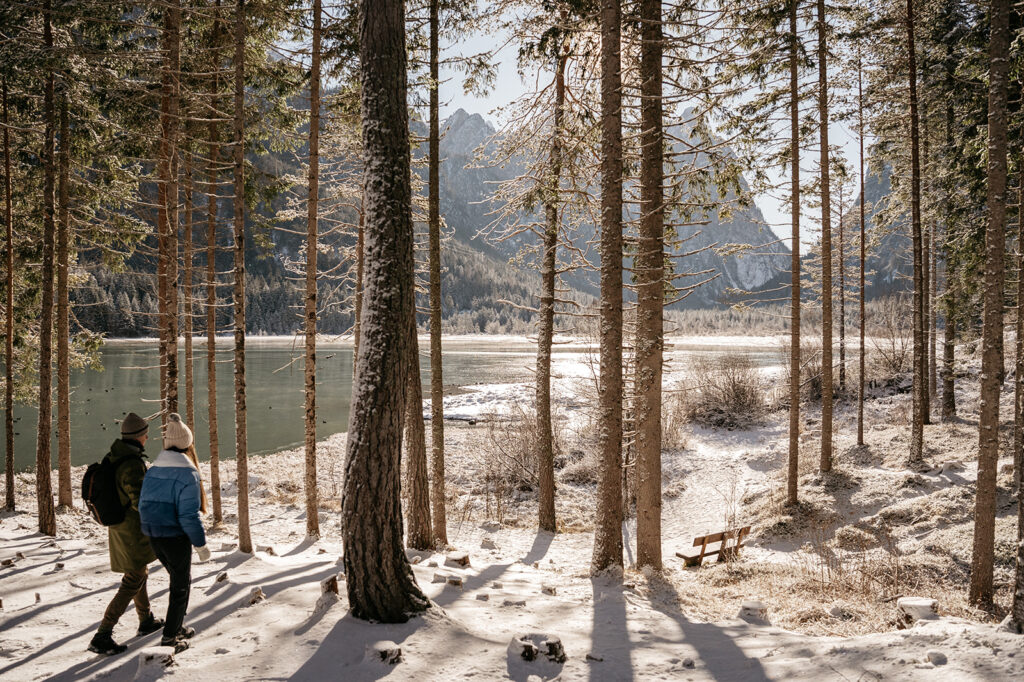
(753, 610)
(153, 662)
(385, 651)
(439, 578)
(532, 646)
(460, 559)
(488, 543)
(329, 584)
(548, 589)
(912, 609)
(455, 581)
(483, 596)
(255, 597)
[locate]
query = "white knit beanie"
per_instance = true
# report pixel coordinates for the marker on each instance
(176, 434)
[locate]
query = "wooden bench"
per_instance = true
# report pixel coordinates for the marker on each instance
(724, 550)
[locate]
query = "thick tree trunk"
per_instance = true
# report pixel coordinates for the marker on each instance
(312, 235)
(64, 498)
(187, 256)
(211, 281)
(793, 465)
(980, 593)
(44, 493)
(9, 316)
(439, 520)
(241, 445)
(916, 458)
(825, 463)
(650, 276)
(546, 317)
(380, 582)
(608, 530)
(418, 534)
(1018, 374)
(863, 251)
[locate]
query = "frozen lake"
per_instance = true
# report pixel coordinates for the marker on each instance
(275, 387)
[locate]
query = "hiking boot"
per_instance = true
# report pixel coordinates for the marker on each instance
(177, 643)
(186, 632)
(102, 643)
(150, 624)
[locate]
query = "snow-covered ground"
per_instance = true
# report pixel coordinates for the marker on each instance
(681, 625)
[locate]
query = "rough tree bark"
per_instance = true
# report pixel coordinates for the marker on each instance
(44, 492)
(793, 465)
(916, 458)
(418, 535)
(926, 249)
(9, 316)
(546, 316)
(312, 235)
(825, 463)
(439, 520)
(358, 299)
(238, 293)
(949, 295)
(380, 582)
(64, 498)
(650, 276)
(980, 593)
(608, 531)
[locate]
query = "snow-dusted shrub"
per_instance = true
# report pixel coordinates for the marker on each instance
(728, 391)
(675, 429)
(890, 348)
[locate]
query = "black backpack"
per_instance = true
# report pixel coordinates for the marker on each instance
(99, 491)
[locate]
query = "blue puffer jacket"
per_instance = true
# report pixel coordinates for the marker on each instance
(169, 502)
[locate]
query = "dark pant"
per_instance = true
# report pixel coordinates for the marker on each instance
(176, 556)
(133, 587)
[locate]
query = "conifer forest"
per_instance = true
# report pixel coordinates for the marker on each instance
(517, 339)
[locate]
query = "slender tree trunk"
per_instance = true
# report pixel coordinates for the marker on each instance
(9, 316)
(187, 256)
(650, 277)
(312, 235)
(241, 446)
(546, 317)
(608, 530)
(439, 521)
(926, 248)
(917, 426)
(211, 275)
(842, 301)
(380, 582)
(863, 250)
(826, 250)
(171, 320)
(64, 498)
(980, 593)
(1018, 413)
(360, 265)
(948, 296)
(418, 535)
(44, 493)
(793, 468)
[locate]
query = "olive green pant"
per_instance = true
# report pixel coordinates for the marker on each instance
(133, 587)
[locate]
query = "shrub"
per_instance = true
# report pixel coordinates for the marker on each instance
(727, 391)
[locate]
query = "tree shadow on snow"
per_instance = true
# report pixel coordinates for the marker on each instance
(344, 649)
(541, 544)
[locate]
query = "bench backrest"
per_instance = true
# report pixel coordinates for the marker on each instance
(724, 535)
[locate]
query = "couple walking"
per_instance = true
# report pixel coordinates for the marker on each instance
(162, 505)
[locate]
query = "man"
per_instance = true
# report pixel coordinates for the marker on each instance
(130, 551)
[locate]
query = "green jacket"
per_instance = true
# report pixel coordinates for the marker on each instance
(129, 548)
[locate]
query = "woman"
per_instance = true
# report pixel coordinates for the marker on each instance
(172, 497)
